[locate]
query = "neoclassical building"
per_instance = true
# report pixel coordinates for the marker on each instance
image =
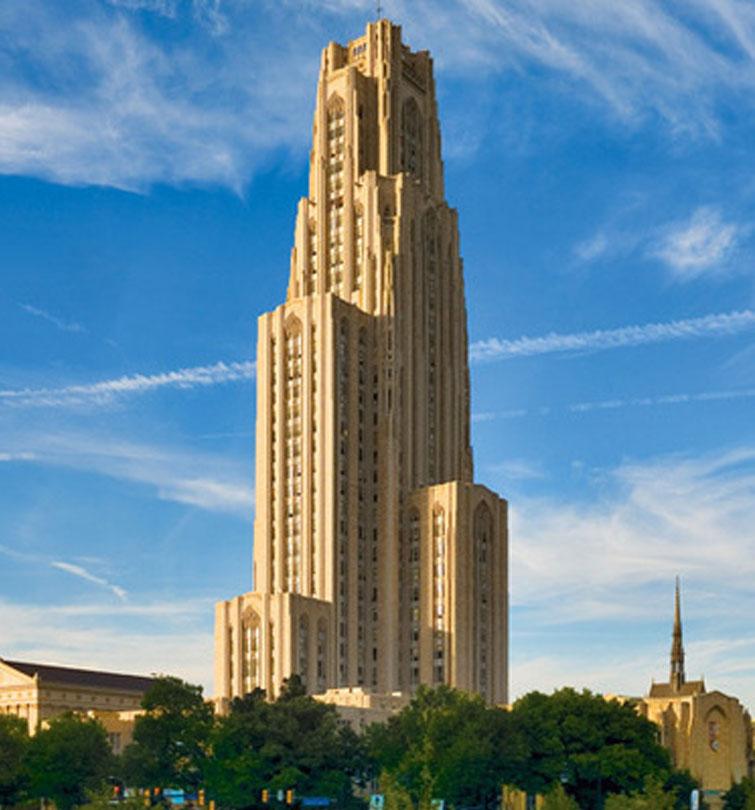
(379, 564)
(709, 734)
(39, 692)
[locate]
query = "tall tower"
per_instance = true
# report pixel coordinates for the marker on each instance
(676, 676)
(378, 563)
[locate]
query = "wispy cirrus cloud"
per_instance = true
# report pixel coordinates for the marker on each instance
(617, 403)
(74, 569)
(726, 323)
(11, 457)
(702, 244)
(64, 326)
(83, 573)
(612, 555)
(113, 103)
(106, 391)
(204, 480)
(653, 519)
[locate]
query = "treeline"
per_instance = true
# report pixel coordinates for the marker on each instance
(574, 747)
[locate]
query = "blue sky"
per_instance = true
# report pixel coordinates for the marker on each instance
(600, 155)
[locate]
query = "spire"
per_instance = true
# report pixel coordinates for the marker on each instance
(677, 650)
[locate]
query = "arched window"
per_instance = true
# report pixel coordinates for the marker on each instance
(483, 536)
(250, 662)
(718, 730)
(411, 138)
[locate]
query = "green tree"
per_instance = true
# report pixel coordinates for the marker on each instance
(294, 742)
(655, 796)
(597, 747)
(683, 783)
(741, 796)
(68, 760)
(14, 743)
(446, 744)
(170, 742)
(558, 799)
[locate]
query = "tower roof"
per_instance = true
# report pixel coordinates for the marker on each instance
(677, 678)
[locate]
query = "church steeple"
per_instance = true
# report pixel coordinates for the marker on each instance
(677, 678)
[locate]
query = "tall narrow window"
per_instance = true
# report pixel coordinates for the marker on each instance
(414, 597)
(483, 536)
(322, 653)
(293, 455)
(439, 594)
(335, 183)
(313, 258)
(358, 247)
(273, 459)
(303, 668)
(342, 612)
(313, 534)
(431, 296)
(411, 138)
(251, 652)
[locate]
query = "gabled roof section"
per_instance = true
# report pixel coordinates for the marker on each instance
(10, 676)
(687, 689)
(85, 678)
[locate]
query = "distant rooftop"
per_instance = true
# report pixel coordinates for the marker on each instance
(82, 677)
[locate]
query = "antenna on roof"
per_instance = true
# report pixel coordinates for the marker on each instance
(379, 9)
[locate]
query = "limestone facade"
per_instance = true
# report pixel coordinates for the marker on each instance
(378, 563)
(39, 692)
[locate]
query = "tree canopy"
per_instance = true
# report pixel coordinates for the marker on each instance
(595, 747)
(741, 796)
(68, 759)
(170, 742)
(14, 744)
(447, 744)
(294, 742)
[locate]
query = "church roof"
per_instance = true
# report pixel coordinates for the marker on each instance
(71, 676)
(688, 688)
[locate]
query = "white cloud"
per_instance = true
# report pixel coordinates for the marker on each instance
(649, 522)
(726, 323)
(80, 571)
(618, 403)
(115, 105)
(594, 248)
(514, 469)
(64, 326)
(11, 457)
(155, 637)
(106, 391)
(203, 480)
(610, 561)
(702, 244)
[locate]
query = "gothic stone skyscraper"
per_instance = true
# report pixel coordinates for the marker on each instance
(378, 563)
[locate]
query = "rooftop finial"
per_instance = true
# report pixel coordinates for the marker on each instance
(677, 650)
